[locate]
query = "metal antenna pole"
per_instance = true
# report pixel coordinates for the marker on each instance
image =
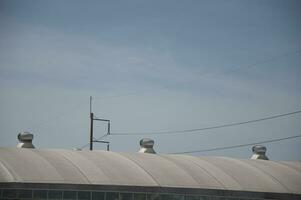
(90, 104)
(91, 125)
(109, 128)
(92, 118)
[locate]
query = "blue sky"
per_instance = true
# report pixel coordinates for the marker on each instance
(151, 66)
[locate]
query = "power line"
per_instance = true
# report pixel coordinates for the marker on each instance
(206, 128)
(86, 145)
(248, 66)
(192, 131)
(272, 59)
(238, 146)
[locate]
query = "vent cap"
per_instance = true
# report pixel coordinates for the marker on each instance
(259, 152)
(25, 140)
(147, 145)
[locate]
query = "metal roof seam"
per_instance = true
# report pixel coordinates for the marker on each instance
(20, 158)
(79, 170)
(34, 151)
(149, 174)
(7, 172)
(223, 186)
(273, 177)
(98, 168)
(170, 160)
(231, 177)
(295, 165)
(113, 169)
(282, 163)
(241, 162)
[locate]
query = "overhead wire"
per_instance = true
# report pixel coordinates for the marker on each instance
(86, 145)
(196, 130)
(238, 146)
(271, 59)
(212, 127)
(205, 128)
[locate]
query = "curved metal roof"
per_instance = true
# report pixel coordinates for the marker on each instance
(138, 169)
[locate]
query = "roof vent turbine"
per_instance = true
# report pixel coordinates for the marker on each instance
(147, 145)
(25, 140)
(259, 152)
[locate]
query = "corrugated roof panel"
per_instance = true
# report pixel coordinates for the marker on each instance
(216, 172)
(248, 177)
(165, 172)
(296, 165)
(137, 169)
(67, 170)
(5, 174)
(286, 176)
(62, 161)
(197, 172)
(29, 166)
(118, 169)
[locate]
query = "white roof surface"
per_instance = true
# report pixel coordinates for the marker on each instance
(138, 169)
